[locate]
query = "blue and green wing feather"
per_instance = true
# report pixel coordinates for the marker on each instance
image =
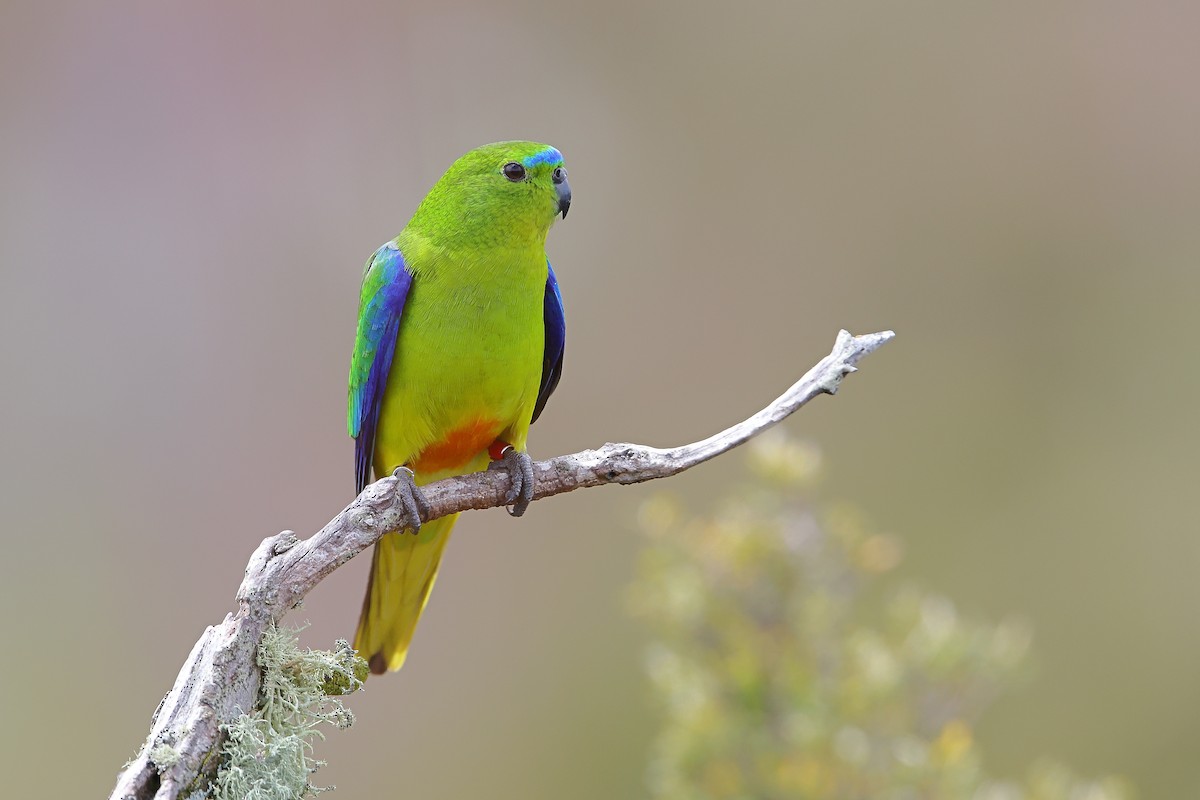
(556, 341)
(385, 287)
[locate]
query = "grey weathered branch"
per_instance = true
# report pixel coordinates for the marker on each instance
(220, 678)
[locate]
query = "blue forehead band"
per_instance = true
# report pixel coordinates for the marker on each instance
(547, 156)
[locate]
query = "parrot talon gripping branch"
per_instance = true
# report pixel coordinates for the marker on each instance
(459, 345)
(519, 467)
(412, 500)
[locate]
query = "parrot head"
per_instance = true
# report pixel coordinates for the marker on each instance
(502, 193)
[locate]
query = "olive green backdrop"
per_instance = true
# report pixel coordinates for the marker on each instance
(188, 195)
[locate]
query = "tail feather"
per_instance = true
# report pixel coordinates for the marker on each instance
(404, 568)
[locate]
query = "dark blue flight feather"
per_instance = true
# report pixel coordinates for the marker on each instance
(556, 342)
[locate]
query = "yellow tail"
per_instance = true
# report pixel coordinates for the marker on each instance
(403, 571)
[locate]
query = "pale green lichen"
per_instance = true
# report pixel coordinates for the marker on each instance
(164, 756)
(268, 754)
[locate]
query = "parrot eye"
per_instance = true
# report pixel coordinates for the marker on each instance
(559, 175)
(514, 172)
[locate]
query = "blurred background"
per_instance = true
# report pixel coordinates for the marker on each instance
(189, 195)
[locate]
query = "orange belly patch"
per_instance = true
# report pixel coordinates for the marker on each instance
(459, 446)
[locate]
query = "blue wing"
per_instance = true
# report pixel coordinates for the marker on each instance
(556, 342)
(384, 290)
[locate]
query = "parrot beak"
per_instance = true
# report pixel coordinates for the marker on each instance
(564, 197)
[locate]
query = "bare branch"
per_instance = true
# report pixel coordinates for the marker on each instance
(220, 678)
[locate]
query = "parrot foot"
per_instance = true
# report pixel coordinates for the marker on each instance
(413, 504)
(520, 470)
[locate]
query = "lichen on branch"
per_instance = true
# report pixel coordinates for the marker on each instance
(268, 753)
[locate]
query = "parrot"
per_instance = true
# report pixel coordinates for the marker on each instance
(459, 345)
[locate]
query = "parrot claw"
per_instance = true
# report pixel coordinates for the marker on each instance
(520, 470)
(414, 506)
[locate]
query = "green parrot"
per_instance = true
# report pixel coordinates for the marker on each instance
(460, 343)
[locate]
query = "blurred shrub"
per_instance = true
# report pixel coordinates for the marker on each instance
(788, 667)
